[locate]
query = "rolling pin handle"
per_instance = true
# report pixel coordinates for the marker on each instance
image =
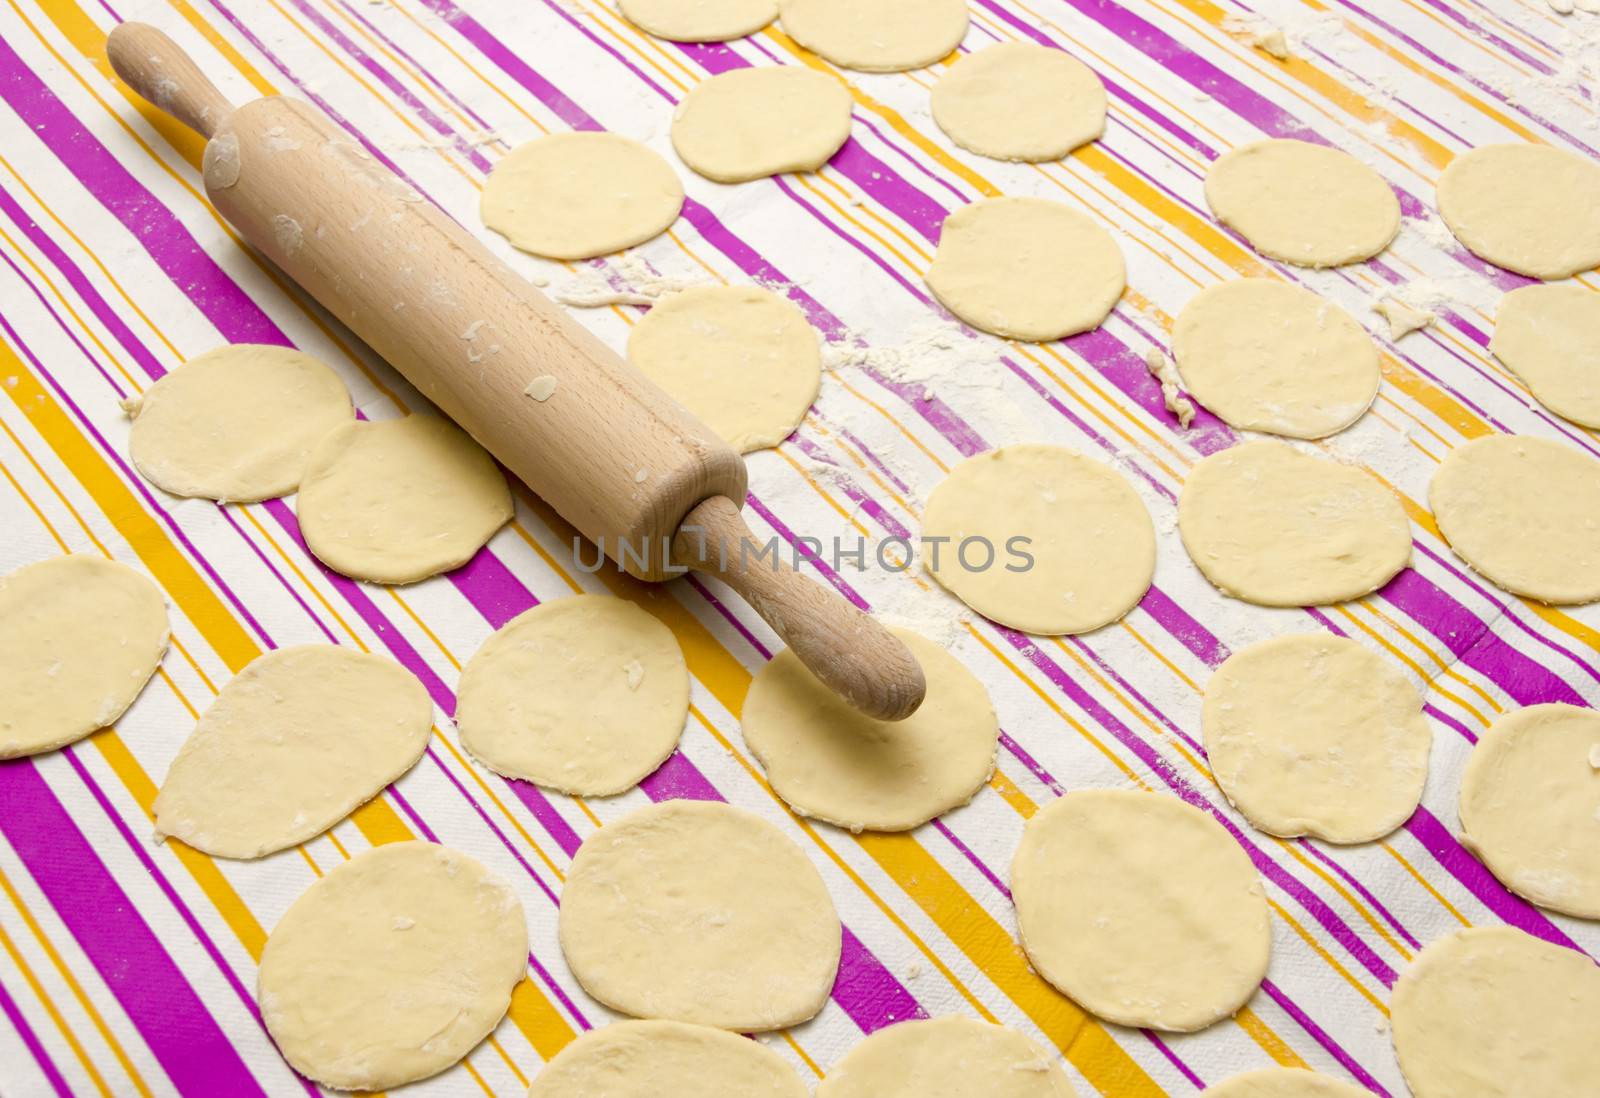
(157, 68)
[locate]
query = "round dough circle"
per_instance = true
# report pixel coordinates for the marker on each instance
(833, 763)
(755, 122)
(1305, 204)
(1530, 805)
(236, 424)
(1019, 101)
(392, 967)
(699, 20)
(742, 359)
(1315, 735)
(291, 746)
(877, 35)
(579, 195)
(1284, 1083)
(1114, 892)
(1532, 209)
(1550, 337)
(1093, 544)
(585, 695)
(82, 636)
(1521, 512)
(649, 1059)
(1268, 356)
(697, 911)
(948, 1057)
(1026, 268)
(1474, 1007)
(399, 500)
(1276, 527)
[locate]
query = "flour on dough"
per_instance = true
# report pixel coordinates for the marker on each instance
(585, 695)
(753, 122)
(1550, 338)
(292, 745)
(699, 20)
(1533, 209)
(1522, 512)
(1019, 101)
(742, 359)
(696, 911)
(81, 637)
(1092, 544)
(1277, 527)
(399, 500)
(580, 195)
(951, 1057)
(1284, 1083)
(876, 35)
(1305, 204)
(657, 1059)
(1115, 891)
(236, 424)
(1027, 268)
(392, 967)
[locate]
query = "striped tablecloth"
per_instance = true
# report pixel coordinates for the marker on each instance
(128, 968)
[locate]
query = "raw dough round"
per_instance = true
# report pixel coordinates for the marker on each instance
(1026, 268)
(1092, 542)
(754, 122)
(950, 1057)
(291, 746)
(1305, 204)
(1550, 337)
(1284, 1083)
(1530, 805)
(399, 500)
(1018, 101)
(1493, 1012)
(699, 20)
(877, 35)
(656, 1059)
(236, 424)
(579, 195)
(1269, 356)
(81, 637)
(833, 763)
(697, 911)
(1276, 527)
(1315, 735)
(1531, 209)
(741, 358)
(392, 967)
(1140, 907)
(586, 695)
(1521, 511)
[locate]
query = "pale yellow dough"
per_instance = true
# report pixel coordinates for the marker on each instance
(79, 638)
(662, 1059)
(1284, 1083)
(1140, 907)
(1530, 805)
(1019, 101)
(755, 122)
(696, 911)
(399, 500)
(579, 195)
(586, 695)
(1305, 204)
(1532, 209)
(1027, 268)
(392, 967)
(291, 746)
(876, 35)
(1265, 355)
(742, 359)
(1316, 735)
(1091, 539)
(950, 1057)
(1521, 511)
(700, 20)
(831, 762)
(1491, 1012)
(1276, 527)
(1550, 337)
(237, 423)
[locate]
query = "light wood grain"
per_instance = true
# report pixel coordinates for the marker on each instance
(153, 65)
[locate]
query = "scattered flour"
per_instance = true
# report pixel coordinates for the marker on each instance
(625, 280)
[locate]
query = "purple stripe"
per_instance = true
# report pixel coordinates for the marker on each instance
(36, 1050)
(1318, 1034)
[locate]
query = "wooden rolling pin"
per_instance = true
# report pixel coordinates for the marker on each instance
(614, 454)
